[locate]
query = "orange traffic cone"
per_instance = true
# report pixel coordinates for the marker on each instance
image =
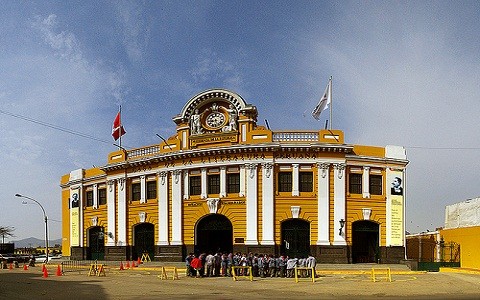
(11, 266)
(133, 264)
(43, 268)
(121, 266)
(25, 267)
(59, 271)
(139, 261)
(127, 265)
(45, 273)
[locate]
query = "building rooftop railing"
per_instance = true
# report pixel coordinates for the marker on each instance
(278, 136)
(293, 136)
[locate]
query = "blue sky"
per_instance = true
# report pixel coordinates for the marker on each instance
(404, 73)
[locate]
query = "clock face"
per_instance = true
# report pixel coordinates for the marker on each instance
(215, 120)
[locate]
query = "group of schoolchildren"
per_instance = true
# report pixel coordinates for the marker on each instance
(220, 264)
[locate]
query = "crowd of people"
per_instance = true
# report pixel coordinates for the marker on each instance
(220, 264)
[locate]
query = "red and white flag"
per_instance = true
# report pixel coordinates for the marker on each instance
(117, 129)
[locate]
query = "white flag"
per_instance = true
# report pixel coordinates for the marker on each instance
(324, 102)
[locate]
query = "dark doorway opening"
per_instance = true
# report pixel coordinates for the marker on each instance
(214, 233)
(96, 243)
(365, 242)
(144, 235)
(295, 238)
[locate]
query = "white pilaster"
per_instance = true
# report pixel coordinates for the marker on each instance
(95, 196)
(323, 203)
(366, 182)
(252, 203)
(143, 182)
(162, 184)
(122, 212)
(186, 185)
(243, 183)
(204, 192)
(295, 180)
(339, 203)
(223, 181)
(176, 208)
(111, 217)
(184, 139)
(268, 217)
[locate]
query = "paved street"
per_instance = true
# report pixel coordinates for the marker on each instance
(145, 283)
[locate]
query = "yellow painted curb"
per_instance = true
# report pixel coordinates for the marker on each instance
(459, 270)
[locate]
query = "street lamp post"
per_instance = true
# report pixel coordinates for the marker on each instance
(46, 222)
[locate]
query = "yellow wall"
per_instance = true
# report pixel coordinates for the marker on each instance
(65, 223)
(469, 240)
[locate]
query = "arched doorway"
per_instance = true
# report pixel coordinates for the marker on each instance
(295, 238)
(365, 246)
(214, 233)
(96, 243)
(144, 240)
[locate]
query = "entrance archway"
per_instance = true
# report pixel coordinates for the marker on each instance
(295, 238)
(365, 245)
(214, 233)
(96, 243)
(144, 240)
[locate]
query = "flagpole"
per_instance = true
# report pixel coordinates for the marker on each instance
(120, 111)
(331, 101)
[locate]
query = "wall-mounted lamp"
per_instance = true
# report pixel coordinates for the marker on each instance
(342, 224)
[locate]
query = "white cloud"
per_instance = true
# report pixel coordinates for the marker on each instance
(136, 28)
(64, 43)
(212, 68)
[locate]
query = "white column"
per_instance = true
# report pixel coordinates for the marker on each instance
(268, 217)
(323, 193)
(186, 185)
(339, 203)
(366, 182)
(295, 180)
(204, 193)
(143, 189)
(223, 181)
(252, 203)
(176, 208)
(111, 217)
(243, 183)
(122, 212)
(162, 183)
(95, 196)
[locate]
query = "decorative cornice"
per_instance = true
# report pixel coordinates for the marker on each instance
(236, 149)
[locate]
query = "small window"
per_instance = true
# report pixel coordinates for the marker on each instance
(195, 185)
(376, 184)
(285, 181)
(89, 196)
(306, 182)
(355, 181)
(213, 184)
(136, 191)
(233, 183)
(102, 196)
(151, 190)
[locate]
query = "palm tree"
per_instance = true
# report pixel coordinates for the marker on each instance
(6, 231)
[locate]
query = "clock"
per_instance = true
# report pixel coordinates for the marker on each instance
(215, 120)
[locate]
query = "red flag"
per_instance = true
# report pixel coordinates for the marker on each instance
(117, 129)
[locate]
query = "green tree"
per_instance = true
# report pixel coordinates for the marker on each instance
(6, 231)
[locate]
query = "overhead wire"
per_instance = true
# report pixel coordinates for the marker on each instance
(56, 127)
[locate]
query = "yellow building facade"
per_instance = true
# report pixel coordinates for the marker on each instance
(224, 183)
